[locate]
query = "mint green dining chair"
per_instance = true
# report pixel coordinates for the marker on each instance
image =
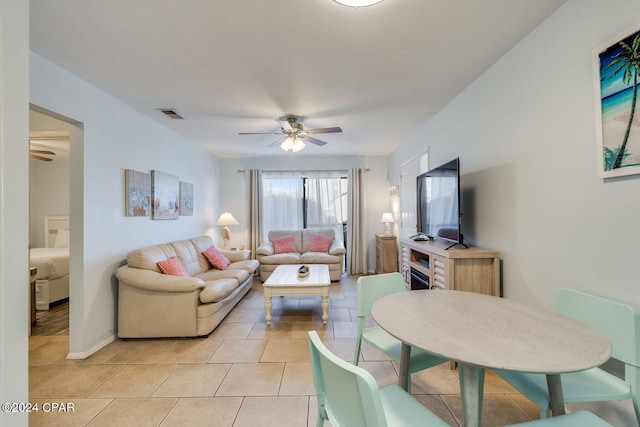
(577, 419)
(370, 289)
(349, 396)
(620, 323)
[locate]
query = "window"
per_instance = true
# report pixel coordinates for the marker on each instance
(296, 200)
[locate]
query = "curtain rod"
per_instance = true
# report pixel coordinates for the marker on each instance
(308, 170)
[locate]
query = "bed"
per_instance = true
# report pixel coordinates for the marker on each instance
(52, 262)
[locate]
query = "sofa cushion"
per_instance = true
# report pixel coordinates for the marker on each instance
(215, 290)
(249, 265)
(284, 245)
(297, 235)
(216, 258)
(201, 244)
(320, 243)
(214, 274)
(319, 258)
(173, 267)
(187, 254)
(308, 233)
(148, 258)
(289, 258)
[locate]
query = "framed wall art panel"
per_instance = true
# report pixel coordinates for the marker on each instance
(165, 189)
(617, 71)
(137, 193)
(186, 198)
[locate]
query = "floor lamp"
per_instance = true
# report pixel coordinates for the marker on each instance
(226, 219)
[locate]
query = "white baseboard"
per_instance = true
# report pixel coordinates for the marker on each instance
(85, 354)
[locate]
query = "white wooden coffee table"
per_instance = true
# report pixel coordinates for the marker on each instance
(285, 281)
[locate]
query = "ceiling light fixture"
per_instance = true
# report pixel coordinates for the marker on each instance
(292, 144)
(357, 3)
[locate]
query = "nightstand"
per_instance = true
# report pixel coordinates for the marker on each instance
(386, 254)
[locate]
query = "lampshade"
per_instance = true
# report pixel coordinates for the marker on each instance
(357, 3)
(226, 219)
(387, 217)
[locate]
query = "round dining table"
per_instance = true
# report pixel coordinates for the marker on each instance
(481, 331)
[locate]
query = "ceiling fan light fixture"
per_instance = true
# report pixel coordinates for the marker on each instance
(357, 3)
(287, 144)
(297, 145)
(292, 144)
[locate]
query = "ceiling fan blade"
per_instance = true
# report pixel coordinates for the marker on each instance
(324, 130)
(314, 141)
(285, 125)
(44, 159)
(47, 152)
(260, 133)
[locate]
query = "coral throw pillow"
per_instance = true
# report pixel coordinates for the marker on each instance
(173, 267)
(284, 245)
(216, 258)
(320, 243)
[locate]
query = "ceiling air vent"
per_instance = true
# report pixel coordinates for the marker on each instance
(169, 112)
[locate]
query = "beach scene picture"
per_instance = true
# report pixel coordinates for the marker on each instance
(138, 193)
(165, 190)
(619, 67)
(186, 198)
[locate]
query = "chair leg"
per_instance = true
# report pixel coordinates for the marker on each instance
(358, 345)
(322, 413)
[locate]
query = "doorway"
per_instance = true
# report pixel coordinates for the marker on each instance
(49, 195)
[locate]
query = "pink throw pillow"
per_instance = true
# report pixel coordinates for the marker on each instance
(284, 245)
(320, 243)
(216, 258)
(173, 267)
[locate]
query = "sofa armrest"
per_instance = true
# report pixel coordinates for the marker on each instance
(154, 281)
(235, 256)
(337, 248)
(265, 249)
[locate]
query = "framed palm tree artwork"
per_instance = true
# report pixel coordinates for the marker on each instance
(617, 66)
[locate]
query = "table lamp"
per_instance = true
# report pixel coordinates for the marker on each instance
(387, 218)
(226, 219)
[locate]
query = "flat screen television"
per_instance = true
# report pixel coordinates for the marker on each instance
(438, 203)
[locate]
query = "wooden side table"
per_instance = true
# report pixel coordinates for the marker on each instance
(386, 254)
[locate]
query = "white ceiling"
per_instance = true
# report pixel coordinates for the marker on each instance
(230, 66)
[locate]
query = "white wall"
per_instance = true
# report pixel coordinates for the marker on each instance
(108, 137)
(14, 227)
(48, 195)
(235, 183)
(525, 132)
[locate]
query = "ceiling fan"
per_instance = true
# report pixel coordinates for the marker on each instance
(293, 136)
(40, 141)
(40, 155)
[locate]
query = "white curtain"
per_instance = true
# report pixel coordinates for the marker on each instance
(255, 209)
(281, 203)
(327, 204)
(285, 200)
(356, 228)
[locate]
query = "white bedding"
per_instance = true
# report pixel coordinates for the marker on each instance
(52, 263)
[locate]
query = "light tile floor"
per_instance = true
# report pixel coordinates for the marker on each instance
(242, 374)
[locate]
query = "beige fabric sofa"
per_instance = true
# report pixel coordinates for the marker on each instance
(152, 304)
(269, 260)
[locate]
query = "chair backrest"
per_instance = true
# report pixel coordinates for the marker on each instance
(370, 289)
(619, 322)
(350, 394)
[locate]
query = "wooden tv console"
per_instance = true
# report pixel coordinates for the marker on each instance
(466, 269)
